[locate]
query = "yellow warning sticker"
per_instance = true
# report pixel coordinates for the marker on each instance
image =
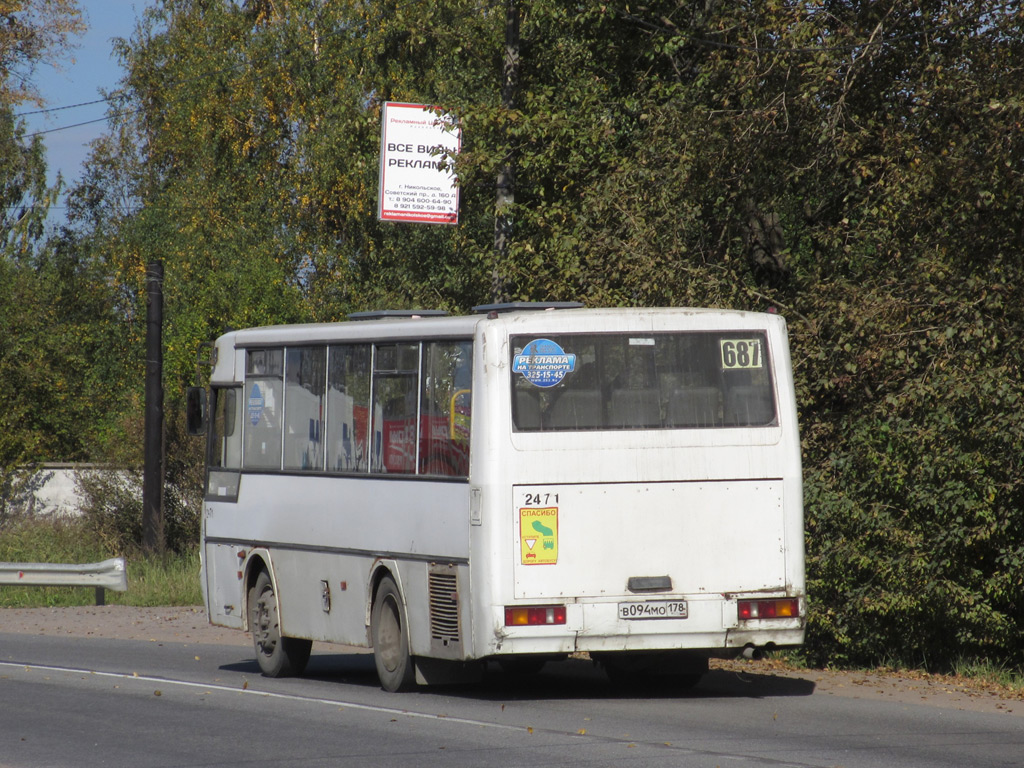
(538, 535)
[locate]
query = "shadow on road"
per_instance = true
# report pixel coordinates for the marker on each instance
(570, 679)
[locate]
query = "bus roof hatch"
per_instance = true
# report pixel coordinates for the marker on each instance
(526, 306)
(383, 314)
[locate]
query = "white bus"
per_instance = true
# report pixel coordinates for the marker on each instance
(512, 486)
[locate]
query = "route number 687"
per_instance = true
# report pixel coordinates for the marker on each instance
(741, 353)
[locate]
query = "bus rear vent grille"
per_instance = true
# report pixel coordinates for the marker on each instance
(444, 607)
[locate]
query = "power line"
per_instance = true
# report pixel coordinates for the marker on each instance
(109, 99)
(68, 106)
(86, 122)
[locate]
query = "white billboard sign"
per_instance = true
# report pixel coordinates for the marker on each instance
(417, 182)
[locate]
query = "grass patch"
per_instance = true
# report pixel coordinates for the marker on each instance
(792, 658)
(168, 580)
(992, 672)
(172, 579)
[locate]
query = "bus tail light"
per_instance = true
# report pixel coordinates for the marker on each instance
(534, 615)
(787, 608)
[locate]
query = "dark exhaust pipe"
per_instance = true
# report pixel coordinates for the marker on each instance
(752, 652)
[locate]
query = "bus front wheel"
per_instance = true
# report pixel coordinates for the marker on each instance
(388, 625)
(278, 656)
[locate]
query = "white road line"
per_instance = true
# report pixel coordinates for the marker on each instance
(267, 694)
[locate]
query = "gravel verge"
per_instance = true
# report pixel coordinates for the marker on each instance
(121, 622)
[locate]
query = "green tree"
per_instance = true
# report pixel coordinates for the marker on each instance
(33, 32)
(36, 386)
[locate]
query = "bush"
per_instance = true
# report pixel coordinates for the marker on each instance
(914, 484)
(113, 508)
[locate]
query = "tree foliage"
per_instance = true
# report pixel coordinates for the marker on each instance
(33, 32)
(855, 164)
(56, 355)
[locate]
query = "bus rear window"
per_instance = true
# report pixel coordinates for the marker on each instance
(691, 380)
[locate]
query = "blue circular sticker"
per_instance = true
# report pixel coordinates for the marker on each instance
(544, 363)
(255, 404)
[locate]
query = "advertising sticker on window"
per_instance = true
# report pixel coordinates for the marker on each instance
(543, 363)
(256, 402)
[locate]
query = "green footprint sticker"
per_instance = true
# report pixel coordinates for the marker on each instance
(542, 529)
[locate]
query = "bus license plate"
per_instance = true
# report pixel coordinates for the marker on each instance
(653, 609)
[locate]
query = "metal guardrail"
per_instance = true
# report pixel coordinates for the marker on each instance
(110, 574)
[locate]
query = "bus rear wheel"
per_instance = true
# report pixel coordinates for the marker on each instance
(278, 656)
(388, 625)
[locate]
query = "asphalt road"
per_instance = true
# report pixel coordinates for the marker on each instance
(79, 702)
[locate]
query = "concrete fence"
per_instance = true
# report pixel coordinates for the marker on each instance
(110, 574)
(48, 490)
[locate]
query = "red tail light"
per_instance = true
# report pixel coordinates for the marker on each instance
(534, 615)
(787, 608)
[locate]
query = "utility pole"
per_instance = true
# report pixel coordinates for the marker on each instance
(505, 188)
(153, 463)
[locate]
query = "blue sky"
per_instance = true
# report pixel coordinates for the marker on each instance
(87, 69)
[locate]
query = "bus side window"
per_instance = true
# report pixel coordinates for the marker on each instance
(225, 458)
(395, 390)
(348, 408)
(445, 410)
(304, 408)
(264, 396)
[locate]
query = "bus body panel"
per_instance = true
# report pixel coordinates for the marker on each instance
(319, 539)
(720, 537)
(223, 584)
(317, 517)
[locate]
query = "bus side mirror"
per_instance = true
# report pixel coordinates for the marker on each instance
(195, 410)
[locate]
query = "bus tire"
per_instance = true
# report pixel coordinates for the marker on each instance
(277, 655)
(388, 626)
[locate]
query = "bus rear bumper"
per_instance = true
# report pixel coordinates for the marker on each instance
(710, 627)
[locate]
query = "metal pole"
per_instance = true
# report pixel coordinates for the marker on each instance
(505, 195)
(153, 465)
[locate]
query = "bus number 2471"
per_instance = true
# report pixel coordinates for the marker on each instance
(540, 499)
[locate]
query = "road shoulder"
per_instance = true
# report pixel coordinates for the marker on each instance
(189, 625)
